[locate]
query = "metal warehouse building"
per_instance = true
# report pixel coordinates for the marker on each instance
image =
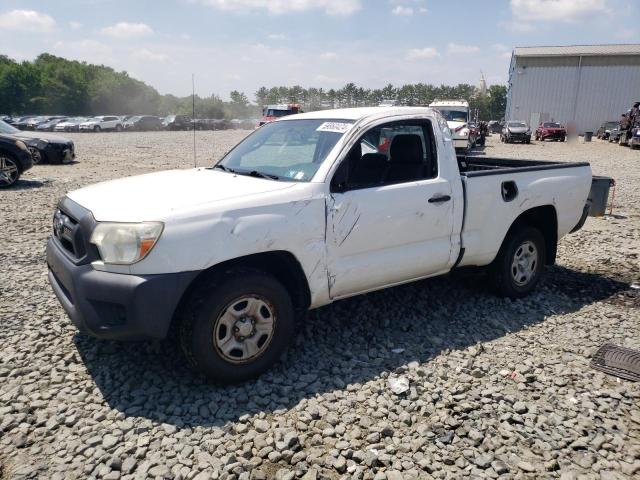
(584, 84)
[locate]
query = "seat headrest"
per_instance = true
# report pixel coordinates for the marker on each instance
(406, 149)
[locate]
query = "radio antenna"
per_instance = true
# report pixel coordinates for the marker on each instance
(193, 117)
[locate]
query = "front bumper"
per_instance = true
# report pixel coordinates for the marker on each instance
(60, 152)
(553, 135)
(111, 305)
(520, 137)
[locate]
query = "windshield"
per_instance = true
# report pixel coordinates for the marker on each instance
(517, 124)
(6, 128)
(552, 125)
(453, 115)
(133, 119)
(289, 149)
(276, 113)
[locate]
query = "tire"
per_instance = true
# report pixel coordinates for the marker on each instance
(9, 170)
(97, 128)
(203, 328)
(37, 157)
(512, 278)
(118, 128)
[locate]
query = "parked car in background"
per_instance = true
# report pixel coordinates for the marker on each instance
(515, 131)
(21, 122)
(102, 123)
(15, 158)
(44, 147)
(49, 125)
(70, 124)
(495, 126)
(614, 134)
(177, 122)
(605, 129)
(634, 138)
(271, 113)
(551, 131)
(34, 123)
(143, 123)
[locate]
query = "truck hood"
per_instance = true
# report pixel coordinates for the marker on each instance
(155, 196)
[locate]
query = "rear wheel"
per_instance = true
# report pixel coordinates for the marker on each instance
(118, 128)
(237, 326)
(520, 263)
(9, 171)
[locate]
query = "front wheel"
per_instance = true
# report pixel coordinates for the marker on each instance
(97, 129)
(237, 326)
(520, 263)
(36, 155)
(9, 171)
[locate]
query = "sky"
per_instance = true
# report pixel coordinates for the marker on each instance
(245, 44)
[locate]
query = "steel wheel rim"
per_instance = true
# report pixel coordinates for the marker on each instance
(36, 156)
(8, 171)
(524, 263)
(244, 329)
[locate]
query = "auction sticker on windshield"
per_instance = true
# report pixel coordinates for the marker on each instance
(336, 127)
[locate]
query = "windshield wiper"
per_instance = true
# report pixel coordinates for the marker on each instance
(255, 173)
(223, 168)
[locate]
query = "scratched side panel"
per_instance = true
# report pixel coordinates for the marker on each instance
(489, 217)
(293, 221)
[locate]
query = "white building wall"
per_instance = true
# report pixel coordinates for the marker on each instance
(587, 90)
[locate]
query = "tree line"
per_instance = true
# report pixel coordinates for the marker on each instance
(52, 85)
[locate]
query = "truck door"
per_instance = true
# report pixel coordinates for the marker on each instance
(390, 212)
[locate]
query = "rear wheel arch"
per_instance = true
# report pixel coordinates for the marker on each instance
(544, 219)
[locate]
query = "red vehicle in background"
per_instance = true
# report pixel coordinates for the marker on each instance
(551, 131)
(274, 112)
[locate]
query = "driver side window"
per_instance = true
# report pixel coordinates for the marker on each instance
(391, 153)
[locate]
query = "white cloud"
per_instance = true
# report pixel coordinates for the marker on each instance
(144, 54)
(124, 30)
(500, 47)
(329, 56)
(402, 10)
(27, 21)
(75, 25)
(557, 10)
(456, 48)
(422, 53)
(331, 7)
(276, 36)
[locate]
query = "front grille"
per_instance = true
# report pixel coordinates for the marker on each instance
(65, 229)
(72, 229)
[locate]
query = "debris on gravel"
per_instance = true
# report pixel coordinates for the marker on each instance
(490, 387)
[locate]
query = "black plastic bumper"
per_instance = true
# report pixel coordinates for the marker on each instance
(115, 306)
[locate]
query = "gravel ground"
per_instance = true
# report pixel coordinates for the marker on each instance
(496, 388)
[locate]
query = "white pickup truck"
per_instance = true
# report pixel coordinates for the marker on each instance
(306, 210)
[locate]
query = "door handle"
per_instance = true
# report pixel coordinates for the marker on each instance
(440, 199)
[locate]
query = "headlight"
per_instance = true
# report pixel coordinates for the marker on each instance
(21, 145)
(125, 243)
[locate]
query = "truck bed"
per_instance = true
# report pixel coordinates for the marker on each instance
(498, 190)
(471, 166)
